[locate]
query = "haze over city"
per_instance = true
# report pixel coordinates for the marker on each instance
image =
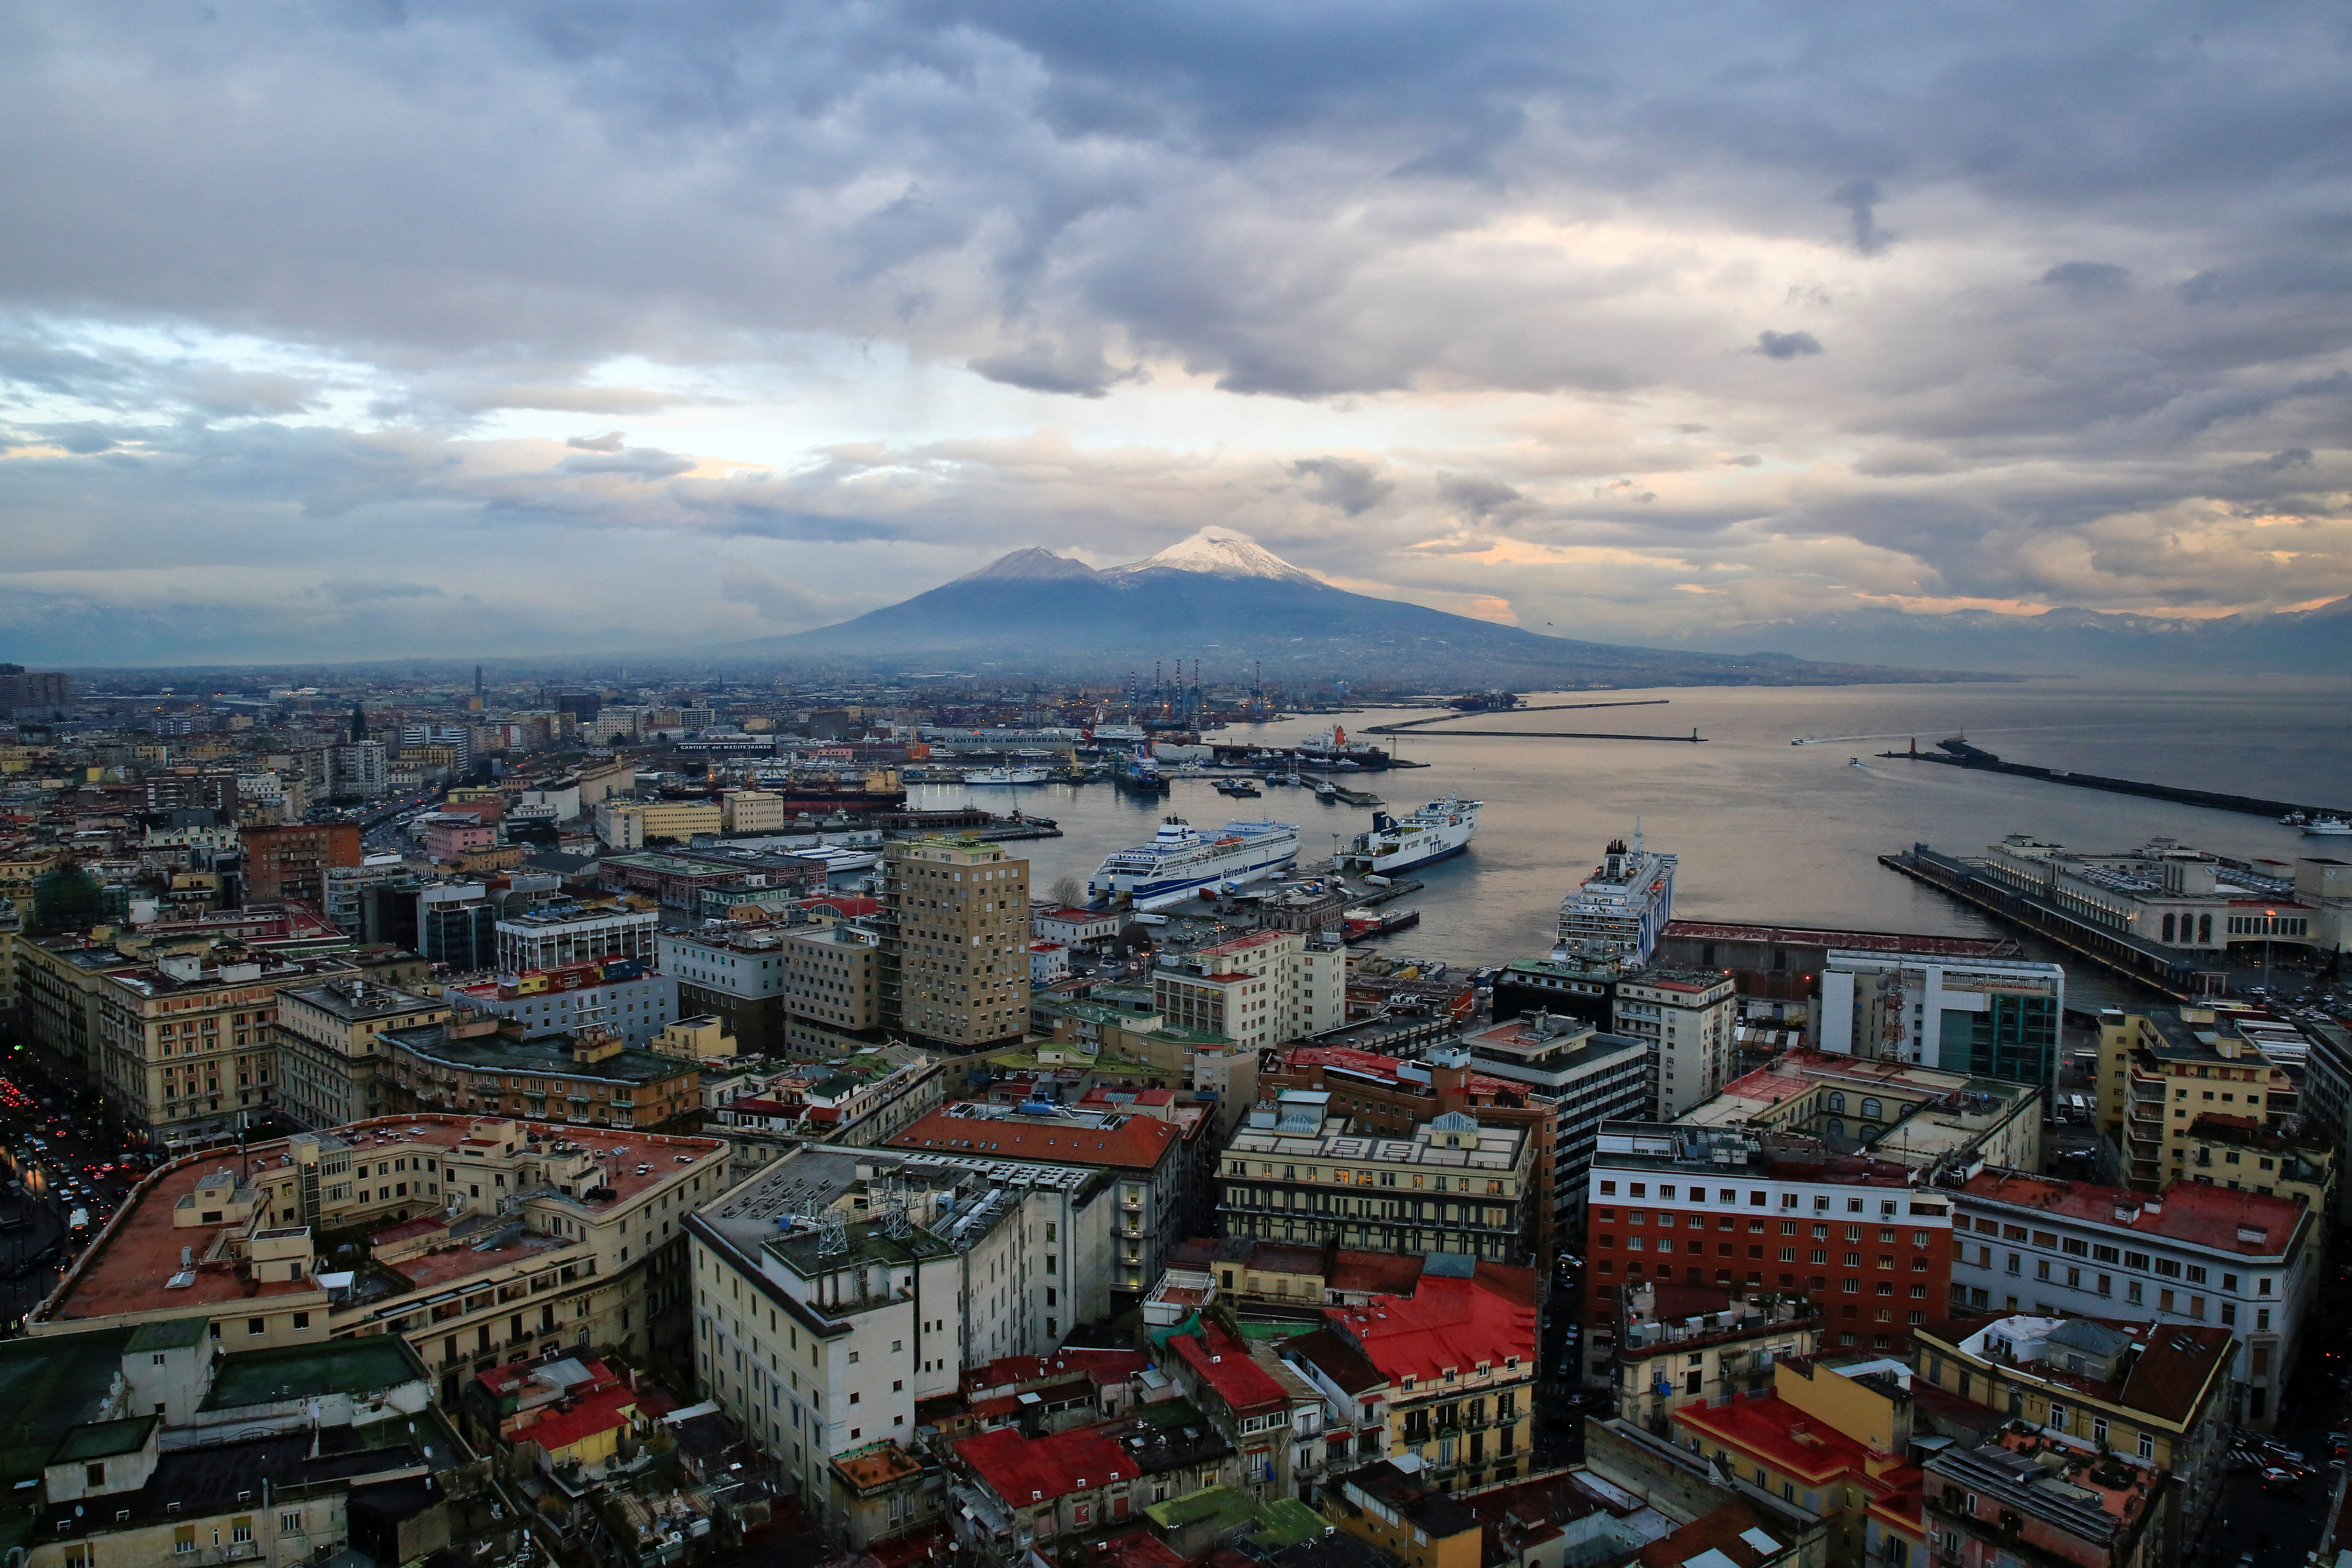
(365, 331)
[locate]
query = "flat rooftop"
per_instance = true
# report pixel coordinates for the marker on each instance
(1851, 940)
(547, 1055)
(127, 1269)
(2192, 1213)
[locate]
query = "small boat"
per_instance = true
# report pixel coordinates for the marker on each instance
(2294, 819)
(1854, 761)
(1237, 787)
(1326, 790)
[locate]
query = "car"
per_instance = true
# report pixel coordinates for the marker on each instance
(2280, 1481)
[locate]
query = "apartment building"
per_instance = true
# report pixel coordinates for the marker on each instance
(1987, 1017)
(743, 977)
(1155, 1158)
(187, 1044)
(1258, 990)
(61, 988)
(1688, 1019)
(1457, 1361)
(1987, 1504)
(954, 958)
(553, 935)
(635, 1003)
(835, 1289)
(1929, 1119)
(290, 861)
(2152, 1392)
(488, 1238)
(1739, 1207)
(1210, 1068)
(2162, 1070)
(2193, 1254)
(1295, 1172)
(476, 1063)
(831, 997)
(1693, 1344)
(1590, 1077)
(327, 1054)
(633, 824)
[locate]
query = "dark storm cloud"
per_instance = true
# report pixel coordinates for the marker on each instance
(1787, 345)
(1861, 198)
(2089, 279)
(262, 263)
(1355, 488)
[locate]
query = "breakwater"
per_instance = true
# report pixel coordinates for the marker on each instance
(1957, 752)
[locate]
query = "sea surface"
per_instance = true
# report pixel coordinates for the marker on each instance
(1769, 831)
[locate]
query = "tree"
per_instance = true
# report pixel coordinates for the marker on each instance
(66, 900)
(1066, 890)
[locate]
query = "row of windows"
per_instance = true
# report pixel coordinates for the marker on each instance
(1729, 1197)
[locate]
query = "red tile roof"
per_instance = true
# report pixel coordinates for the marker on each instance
(1104, 1366)
(1788, 1440)
(1024, 1471)
(1445, 1323)
(1139, 1143)
(599, 1411)
(1222, 1362)
(2191, 1212)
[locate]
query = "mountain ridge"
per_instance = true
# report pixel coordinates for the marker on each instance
(1220, 595)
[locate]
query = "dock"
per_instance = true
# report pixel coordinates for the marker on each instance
(1693, 739)
(1402, 725)
(1955, 753)
(2142, 963)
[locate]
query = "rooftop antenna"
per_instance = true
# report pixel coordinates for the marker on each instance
(832, 1232)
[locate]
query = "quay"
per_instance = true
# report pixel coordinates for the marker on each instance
(2144, 963)
(1693, 739)
(1957, 752)
(1541, 708)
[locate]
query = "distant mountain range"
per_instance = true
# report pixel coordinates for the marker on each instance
(2062, 641)
(1222, 597)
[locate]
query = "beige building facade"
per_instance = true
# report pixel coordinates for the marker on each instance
(954, 956)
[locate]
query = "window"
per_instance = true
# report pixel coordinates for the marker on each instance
(2148, 1445)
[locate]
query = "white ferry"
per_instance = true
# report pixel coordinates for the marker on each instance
(1441, 827)
(1180, 861)
(1003, 775)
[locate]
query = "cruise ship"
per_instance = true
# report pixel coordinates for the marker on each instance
(1441, 827)
(1623, 907)
(1180, 861)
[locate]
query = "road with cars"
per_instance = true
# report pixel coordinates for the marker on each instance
(59, 1167)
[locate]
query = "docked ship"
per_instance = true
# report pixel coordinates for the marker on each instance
(1440, 829)
(1007, 775)
(1180, 861)
(812, 792)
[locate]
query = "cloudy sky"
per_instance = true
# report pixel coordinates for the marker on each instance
(362, 328)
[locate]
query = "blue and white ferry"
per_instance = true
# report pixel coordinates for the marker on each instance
(1180, 861)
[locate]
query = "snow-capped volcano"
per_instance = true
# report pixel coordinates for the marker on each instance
(1221, 552)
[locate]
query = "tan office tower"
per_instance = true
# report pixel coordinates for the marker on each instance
(955, 942)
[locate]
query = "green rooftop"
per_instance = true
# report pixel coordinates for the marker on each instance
(104, 1439)
(177, 1334)
(51, 1383)
(1226, 1507)
(1286, 1522)
(359, 1366)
